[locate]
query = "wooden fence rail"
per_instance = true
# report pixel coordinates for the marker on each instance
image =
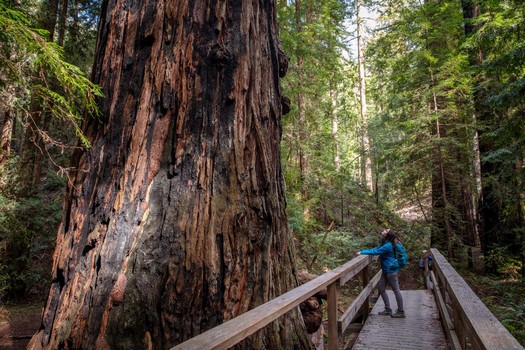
(467, 322)
(233, 331)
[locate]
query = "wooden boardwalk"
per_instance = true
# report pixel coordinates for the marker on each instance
(472, 327)
(421, 329)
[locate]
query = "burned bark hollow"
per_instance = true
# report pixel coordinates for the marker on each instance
(176, 220)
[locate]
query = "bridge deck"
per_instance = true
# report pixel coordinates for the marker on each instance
(421, 329)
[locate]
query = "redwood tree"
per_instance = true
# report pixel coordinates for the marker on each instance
(174, 221)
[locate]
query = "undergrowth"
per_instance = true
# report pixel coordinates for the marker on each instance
(330, 228)
(28, 225)
(504, 298)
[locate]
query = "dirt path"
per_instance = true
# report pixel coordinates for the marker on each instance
(18, 324)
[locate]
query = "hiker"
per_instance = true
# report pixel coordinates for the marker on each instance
(390, 271)
(425, 274)
(422, 260)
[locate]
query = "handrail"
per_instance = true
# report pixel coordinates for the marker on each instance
(235, 330)
(467, 322)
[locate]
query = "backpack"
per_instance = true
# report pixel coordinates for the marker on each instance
(401, 256)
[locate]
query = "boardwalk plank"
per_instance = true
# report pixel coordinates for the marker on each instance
(421, 329)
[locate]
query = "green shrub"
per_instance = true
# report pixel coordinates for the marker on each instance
(28, 227)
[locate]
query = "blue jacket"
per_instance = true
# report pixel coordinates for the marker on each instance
(386, 257)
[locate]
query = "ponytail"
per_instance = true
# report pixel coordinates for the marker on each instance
(391, 237)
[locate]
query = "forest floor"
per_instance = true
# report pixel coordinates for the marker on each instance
(18, 322)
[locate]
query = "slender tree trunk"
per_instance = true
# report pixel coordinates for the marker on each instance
(520, 164)
(175, 221)
(366, 163)
(335, 130)
(470, 11)
(440, 202)
(5, 140)
(420, 205)
(301, 105)
(7, 126)
(62, 19)
(477, 174)
(49, 21)
(73, 28)
(489, 208)
(444, 194)
(499, 220)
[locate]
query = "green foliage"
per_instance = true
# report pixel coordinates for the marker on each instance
(319, 83)
(81, 33)
(342, 244)
(339, 220)
(512, 317)
(505, 299)
(27, 231)
(37, 67)
(501, 260)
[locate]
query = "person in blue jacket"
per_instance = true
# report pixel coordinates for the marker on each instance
(390, 272)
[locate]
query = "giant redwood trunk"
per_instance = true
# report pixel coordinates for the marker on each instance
(175, 220)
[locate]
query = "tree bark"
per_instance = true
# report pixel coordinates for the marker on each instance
(49, 21)
(62, 22)
(301, 103)
(489, 206)
(366, 163)
(442, 191)
(175, 221)
(6, 133)
(335, 129)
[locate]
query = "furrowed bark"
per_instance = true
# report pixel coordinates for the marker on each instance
(176, 221)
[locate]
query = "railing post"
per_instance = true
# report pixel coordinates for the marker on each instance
(426, 272)
(459, 328)
(333, 333)
(366, 304)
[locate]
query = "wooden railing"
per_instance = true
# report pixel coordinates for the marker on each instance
(233, 331)
(467, 322)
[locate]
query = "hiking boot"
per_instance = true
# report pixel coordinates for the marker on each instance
(386, 312)
(398, 314)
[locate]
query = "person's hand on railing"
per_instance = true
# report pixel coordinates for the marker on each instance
(358, 253)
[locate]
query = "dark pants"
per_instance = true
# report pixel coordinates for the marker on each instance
(392, 279)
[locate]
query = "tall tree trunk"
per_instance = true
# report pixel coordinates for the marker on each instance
(520, 205)
(62, 19)
(419, 203)
(442, 234)
(335, 130)
(6, 129)
(5, 140)
(366, 163)
(442, 191)
(476, 165)
(489, 207)
(49, 20)
(499, 207)
(301, 104)
(175, 221)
